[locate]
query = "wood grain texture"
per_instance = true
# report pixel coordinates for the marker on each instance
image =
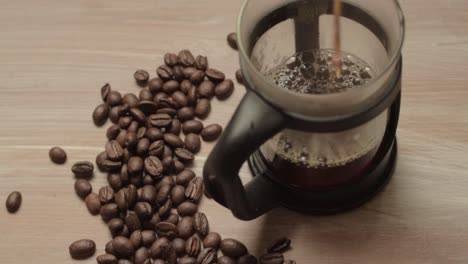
(55, 55)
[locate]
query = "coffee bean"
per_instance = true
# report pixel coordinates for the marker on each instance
(147, 107)
(106, 194)
(148, 194)
(192, 143)
(170, 86)
(147, 238)
(179, 246)
(82, 249)
(132, 221)
(184, 154)
(186, 58)
(93, 203)
(109, 248)
(180, 98)
(166, 180)
(169, 255)
(215, 75)
(123, 199)
(169, 111)
(178, 195)
(172, 218)
(171, 59)
(141, 76)
(114, 181)
(121, 138)
(137, 115)
(133, 127)
(184, 177)
(193, 246)
(232, 40)
(178, 73)
(156, 148)
(142, 147)
(178, 166)
(114, 98)
(163, 193)
(100, 114)
(124, 122)
(192, 126)
(114, 150)
(167, 103)
(224, 89)
(165, 209)
(135, 165)
(206, 89)
(194, 190)
(192, 95)
(247, 259)
(175, 127)
(145, 95)
(115, 226)
(13, 202)
(106, 259)
(114, 114)
(156, 250)
(153, 166)
(136, 180)
(124, 261)
(155, 85)
(160, 96)
(185, 86)
(165, 229)
(130, 99)
(272, 258)
(83, 169)
(239, 77)
(226, 260)
(211, 132)
(279, 246)
(165, 72)
(167, 151)
(201, 62)
(82, 188)
(112, 132)
(131, 140)
(201, 224)
(141, 256)
(212, 240)
(233, 248)
(173, 140)
(207, 256)
(185, 114)
(109, 211)
(160, 120)
(143, 210)
(186, 260)
(187, 209)
(188, 71)
(154, 134)
(123, 247)
(203, 108)
(57, 155)
(197, 77)
(185, 227)
(105, 90)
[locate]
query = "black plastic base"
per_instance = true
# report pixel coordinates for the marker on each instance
(333, 200)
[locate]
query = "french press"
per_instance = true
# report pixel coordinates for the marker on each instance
(318, 151)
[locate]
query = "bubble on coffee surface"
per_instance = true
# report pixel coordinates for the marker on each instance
(314, 72)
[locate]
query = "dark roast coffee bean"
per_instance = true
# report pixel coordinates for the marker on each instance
(233, 248)
(154, 134)
(13, 202)
(141, 256)
(112, 132)
(192, 95)
(123, 247)
(109, 248)
(178, 195)
(83, 188)
(165, 229)
(136, 180)
(83, 169)
(153, 166)
(136, 238)
(106, 259)
(180, 98)
(100, 114)
(148, 194)
(114, 114)
(123, 109)
(187, 209)
(142, 147)
(206, 89)
(93, 203)
(137, 115)
(224, 89)
(123, 199)
(174, 127)
(178, 73)
(197, 77)
(194, 190)
(185, 227)
(125, 121)
(215, 75)
(188, 71)
(168, 164)
(232, 40)
(171, 59)
(192, 126)
(203, 108)
(130, 99)
(114, 150)
(193, 246)
(169, 111)
(114, 98)
(184, 177)
(145, 95)
(132, 221)
(165, 209)
(106, 194)
(247, 259)
(211, 132)
(201, 62)
(178, 166)
(105, 90)
(226, 260)
(173, 140)
(272, 258)
(186, 58)
(185, 114)
(201, 224)
(179, 246)
(280, 245)
(167, 103)
(141, 132)
(172, 218)
(82, 249)
(170, 86)
(156, 148)
(184, 154)
(135, 165)
(166, 180)
(157, 248)
(160, 96)
(192, 143)
(165, 72)
(121, 138)
(133, 127)
(109, 211)
(212, 240)
(155, 85)
(143, 210)
(160, 120)
(57, 155)
(115, 226)
(148, 107)
(114, 181)
(163, 193)
(141, 76)
(207, 256)
(167, 151)
(239, 77)
(185, 86)
(131, 140)
(147, 238)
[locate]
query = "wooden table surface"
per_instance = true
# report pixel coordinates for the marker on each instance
(55, 55)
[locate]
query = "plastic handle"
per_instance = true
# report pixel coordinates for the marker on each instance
(253, 123)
